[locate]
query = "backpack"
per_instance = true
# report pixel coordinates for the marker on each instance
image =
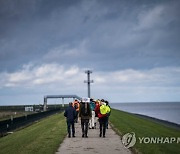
(103, 109)
(84, 109)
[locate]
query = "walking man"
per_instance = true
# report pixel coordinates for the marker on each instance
(85, 114)
(70, 115)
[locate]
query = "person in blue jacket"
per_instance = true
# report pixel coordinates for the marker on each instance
(70, 114)
(92, 119)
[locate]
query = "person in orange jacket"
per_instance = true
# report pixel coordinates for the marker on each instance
(76, 106)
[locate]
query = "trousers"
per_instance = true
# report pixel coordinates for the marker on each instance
(92, 120)
(103, 125)
(84, 126)
(70, 125)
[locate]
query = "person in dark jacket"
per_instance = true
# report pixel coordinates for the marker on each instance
(85, 114)
(107, 104)
(70, 114)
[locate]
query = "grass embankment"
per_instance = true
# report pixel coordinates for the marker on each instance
(126, 123)
(41, 137)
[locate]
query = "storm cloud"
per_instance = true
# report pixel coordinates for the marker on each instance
(120, 40)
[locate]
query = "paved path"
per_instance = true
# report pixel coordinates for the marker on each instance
(93, 144)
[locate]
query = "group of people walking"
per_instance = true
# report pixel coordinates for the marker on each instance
(88, 110)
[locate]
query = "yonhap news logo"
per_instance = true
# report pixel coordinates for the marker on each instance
(130, 139)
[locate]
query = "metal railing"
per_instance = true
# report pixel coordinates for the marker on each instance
(15, 123)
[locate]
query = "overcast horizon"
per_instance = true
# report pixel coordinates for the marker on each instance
(132, 47)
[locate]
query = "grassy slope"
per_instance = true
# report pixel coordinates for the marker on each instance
(42, 137)
(125, 123)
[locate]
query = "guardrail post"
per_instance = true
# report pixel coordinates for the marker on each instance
(45, 103)
(62, 102)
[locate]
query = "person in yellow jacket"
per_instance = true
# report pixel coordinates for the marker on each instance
(103, 118)
(76, 106)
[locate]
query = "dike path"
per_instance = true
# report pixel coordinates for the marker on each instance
(94, 144)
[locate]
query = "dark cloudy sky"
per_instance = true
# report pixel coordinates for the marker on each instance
(132, 46)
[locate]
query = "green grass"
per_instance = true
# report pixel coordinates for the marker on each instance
(43, 137)
(125, 123)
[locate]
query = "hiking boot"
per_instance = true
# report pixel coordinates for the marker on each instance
(82, 135)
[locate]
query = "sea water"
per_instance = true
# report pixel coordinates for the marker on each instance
(166, 111)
